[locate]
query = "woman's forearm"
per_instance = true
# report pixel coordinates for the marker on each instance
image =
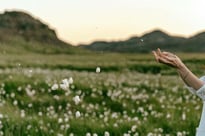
(172, 60)
(189, 78)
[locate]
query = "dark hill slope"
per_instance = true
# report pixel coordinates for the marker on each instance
(150, 41)
(20, 31)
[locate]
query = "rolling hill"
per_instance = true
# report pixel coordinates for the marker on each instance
(150, 41)
(22, 33)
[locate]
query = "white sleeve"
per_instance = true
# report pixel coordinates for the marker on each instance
(192, 90)
(200, 92)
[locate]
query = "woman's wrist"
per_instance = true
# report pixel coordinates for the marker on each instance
(183, 71)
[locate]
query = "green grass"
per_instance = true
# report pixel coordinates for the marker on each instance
(132, 89)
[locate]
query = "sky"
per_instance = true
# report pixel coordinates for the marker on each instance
(85, 21)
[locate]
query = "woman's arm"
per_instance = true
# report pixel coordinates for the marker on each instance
(189, 78)
(172, 60)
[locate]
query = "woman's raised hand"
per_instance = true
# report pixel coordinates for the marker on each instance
(172, 60)
(168, 58)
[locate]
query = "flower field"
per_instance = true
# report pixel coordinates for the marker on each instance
(95, 95)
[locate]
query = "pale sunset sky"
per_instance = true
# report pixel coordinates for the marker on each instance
(84, 21)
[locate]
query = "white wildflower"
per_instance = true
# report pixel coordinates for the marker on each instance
(60, 120)
(15, 102)
(179, 134)
(40, 113)
(134, 127)
(168, 116)
(70, 80)
(77, 114)
(12, 95)
(65, 81)
(88, 134)
(30, 105)
(63, 86)
(62, 127)
(76, 99)
(95, 134)
(23, 113)
(107, 133)
(54, 87)
(183, 116)
(59, 134)
(66, 119)
(29, 127)
(98, 70)
(1, 116)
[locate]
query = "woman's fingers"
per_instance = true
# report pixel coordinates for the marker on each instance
(163, 53)
(175, 61)
(167, 53)
(159, 52)
(170, 58)
(167, 58)
(156, 56)
(167, 62)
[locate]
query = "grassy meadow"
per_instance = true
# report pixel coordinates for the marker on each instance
(131, 95)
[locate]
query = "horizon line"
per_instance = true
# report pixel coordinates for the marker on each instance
(136, 35)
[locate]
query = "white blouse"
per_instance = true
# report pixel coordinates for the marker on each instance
(201, 93)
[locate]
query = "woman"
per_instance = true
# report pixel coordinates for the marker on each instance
(195, 85)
